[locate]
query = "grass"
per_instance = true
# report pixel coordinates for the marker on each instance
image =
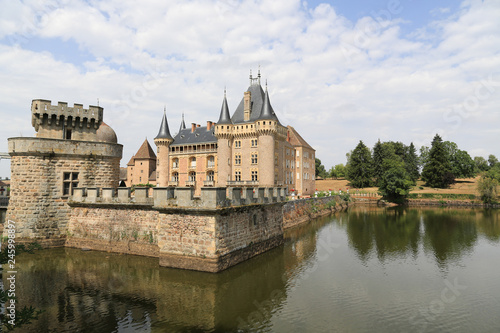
(463, 189)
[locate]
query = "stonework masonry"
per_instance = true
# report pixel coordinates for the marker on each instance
(206, 234)
(39, 166)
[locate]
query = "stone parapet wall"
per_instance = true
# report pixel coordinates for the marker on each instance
(173, 197)
(62, 148)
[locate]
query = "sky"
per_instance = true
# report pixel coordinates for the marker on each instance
(337, 71)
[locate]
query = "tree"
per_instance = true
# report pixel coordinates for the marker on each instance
(437, 171)
(337, 171)
(320, 169)
(411, 163)
(487, 188)
(424, 157)
(381, 151)
(359, 166)
(492, 160)
(395, 183)
(462, 165)
(481, 164)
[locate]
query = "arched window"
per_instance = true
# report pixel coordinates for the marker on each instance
(210, 162)
(175, 177)
(192, 176)
(175, 163)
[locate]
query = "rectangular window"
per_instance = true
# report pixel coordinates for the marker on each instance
(237, 176)
(237, 159)
(298, 175)
(254, 176)
(70, 181)
(237, 144)
(254, 159)
(254, 143)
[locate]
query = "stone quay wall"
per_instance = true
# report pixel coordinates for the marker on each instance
(209, 233)
(37, 203)
(296, 212)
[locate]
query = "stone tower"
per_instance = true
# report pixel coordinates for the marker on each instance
(73, 147)
(223, 132)
(163, 141)
(267, 127)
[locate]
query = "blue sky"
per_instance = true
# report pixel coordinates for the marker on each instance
(338, 71)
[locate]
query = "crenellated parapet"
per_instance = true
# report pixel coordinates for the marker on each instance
(43, 113)
(180, 197)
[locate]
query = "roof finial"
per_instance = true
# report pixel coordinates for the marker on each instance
(164, 109)
(224, 91)
(266, 84)
(250, 76)
(258, 75)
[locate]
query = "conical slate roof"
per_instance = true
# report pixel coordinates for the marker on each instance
(260, 106)
(224, 113)
(164, 132)
(267, 112)
(183, 124)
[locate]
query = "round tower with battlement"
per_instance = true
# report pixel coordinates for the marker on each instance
(72, 148)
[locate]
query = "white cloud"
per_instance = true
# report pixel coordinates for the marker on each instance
(335, 81)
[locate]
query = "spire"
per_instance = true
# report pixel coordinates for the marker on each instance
(224, 112)
(267, 110)
(164, 132)
(183, 124)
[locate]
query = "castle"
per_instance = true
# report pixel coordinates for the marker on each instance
(249, 148)
(220, 188)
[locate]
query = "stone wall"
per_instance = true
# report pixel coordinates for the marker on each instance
(114, 228)
(210, 233)
(296, 212)
(38, 204)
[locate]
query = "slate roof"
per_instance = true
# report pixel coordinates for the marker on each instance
(224, 112)
(260, 106)
(296, 139)
(145, 152)
(200, 135)
(164, 132)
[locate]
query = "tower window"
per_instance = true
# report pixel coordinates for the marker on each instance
(68, 134)
(70, 181)
(254, 159)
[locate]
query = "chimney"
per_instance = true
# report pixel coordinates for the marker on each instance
(247, 97)
(198, 125)
(193, 127)
(209, 125)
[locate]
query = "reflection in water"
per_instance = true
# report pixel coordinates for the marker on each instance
(331, 275)
(448, 234)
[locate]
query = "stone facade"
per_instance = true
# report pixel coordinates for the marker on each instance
(209, 234)
(249, 148)
(46, 169)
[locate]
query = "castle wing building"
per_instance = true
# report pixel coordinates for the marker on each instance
(251, 147)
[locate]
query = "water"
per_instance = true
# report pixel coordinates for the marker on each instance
(366, 270)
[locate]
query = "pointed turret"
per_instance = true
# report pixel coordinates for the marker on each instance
(267, 112)
(183, 124)
(164, 132)
(224, 112)
(163, 141)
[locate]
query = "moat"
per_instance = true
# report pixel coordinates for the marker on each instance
(364, 270)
